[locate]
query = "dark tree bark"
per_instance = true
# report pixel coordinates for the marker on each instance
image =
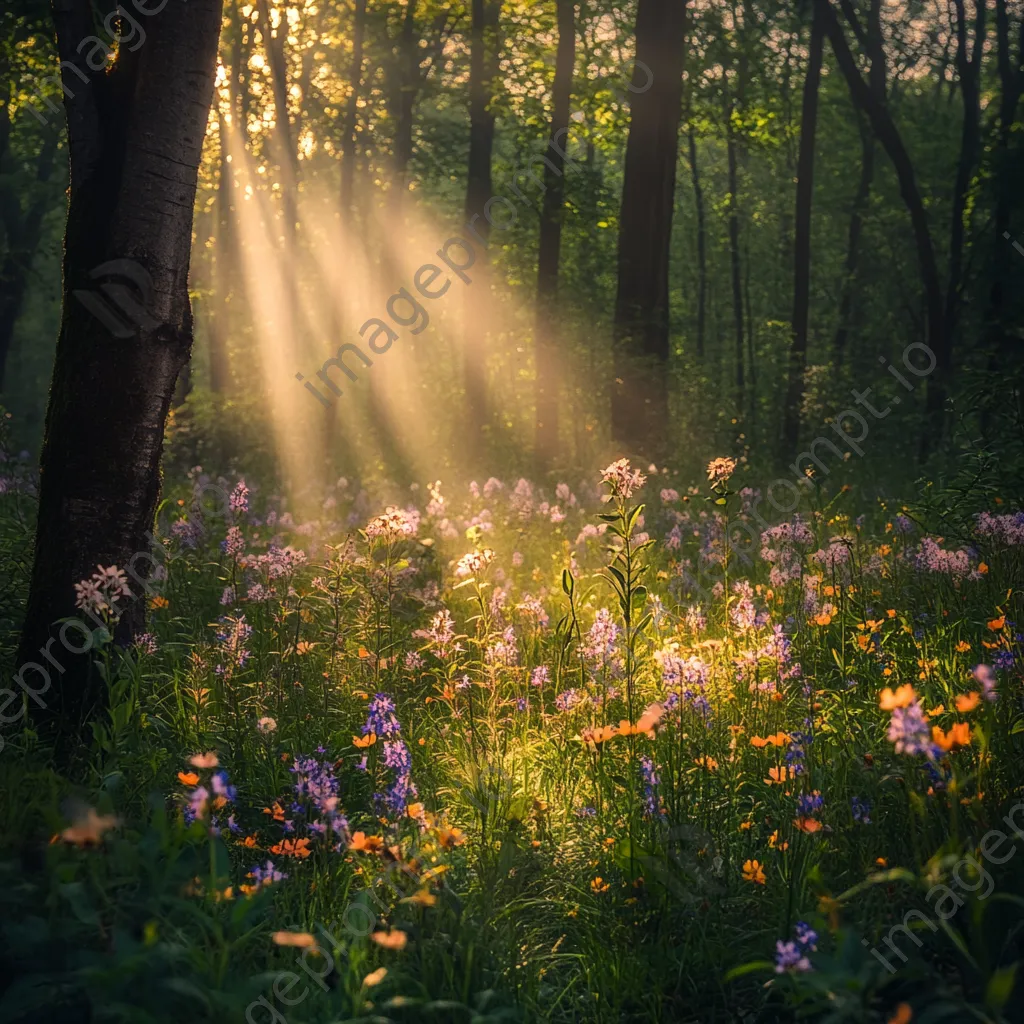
(852, 262)
(969, 74)
(348, 138)
(889, 136)
(641, 326)
(484, 46)
(802, 238)
(135, 133)
(1011, 87)
(702, 264)
(734, 258)
(412, 67)
(22, 227)
(550, 242)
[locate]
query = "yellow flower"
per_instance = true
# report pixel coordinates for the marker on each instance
(599, 884)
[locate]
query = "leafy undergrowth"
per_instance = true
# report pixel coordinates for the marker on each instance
(616, 753)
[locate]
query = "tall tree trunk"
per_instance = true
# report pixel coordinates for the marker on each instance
(483, 65)
(550, 243)
(220, 318)
(348, 138)
(888, 135)
(969, 74)
(408, 86)
(22, 242)
(734, 259)
(850, 265)
(802, 240)
(1011, 87)
(641, 326)
(135, 135)
(702, 261)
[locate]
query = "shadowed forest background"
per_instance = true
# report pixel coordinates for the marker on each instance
(550, 365)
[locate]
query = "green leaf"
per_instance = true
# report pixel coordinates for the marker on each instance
(633, 517)
(1000, 985)
(608, 517)
(568, 583)
(619, 582)
(748, 968)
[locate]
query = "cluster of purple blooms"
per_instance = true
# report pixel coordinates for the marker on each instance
(231, 639)
(780, 549)
(955, 564)
(650, 780)
(266, 874)
(796, 753)
(809, 804)
(861, 811)
(792, 956)
(505, 650)
(909, 731)
(441, 635)
(238, 501)
(601, 639)
(316, 798)
(568, 699)
(743, 613)
(687, 679)
(381, 720)
(1007, 529)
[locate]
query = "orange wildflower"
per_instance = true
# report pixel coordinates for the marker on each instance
(363, 843)
(599, 884)
(292, 848)
(903, 1015)
(997, 624)
(968, 701)
(779, 776)
(395, 939)
(753, 872)
(958, 736)
(364, 741)
(902, 698)
(808, 825)
(188, 778)
(301, 939)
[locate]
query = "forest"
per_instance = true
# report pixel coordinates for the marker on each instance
(511, 511)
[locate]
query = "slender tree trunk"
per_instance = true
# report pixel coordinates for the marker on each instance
(888, 135)
(348, 139)
(22, 242)
(734, 260)
(135, 131)
(546, 331)
(802, 240)
(641, 326)
(702, 263)
(969, 74)
(405, 101)
(220, 320)
(1011, 87)
(483, 64)
(857, 212)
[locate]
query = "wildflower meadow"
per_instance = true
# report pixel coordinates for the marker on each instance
(503, 754)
